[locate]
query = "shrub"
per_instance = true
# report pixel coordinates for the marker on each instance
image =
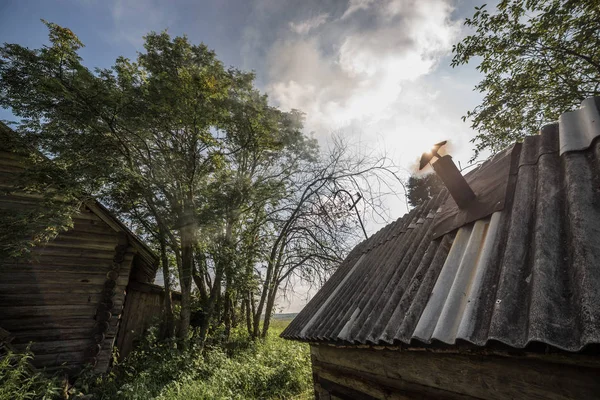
(18, 381)
(241, 369)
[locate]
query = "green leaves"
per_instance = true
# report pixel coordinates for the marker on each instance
(18, 380)
(422, 189)
(539, 59)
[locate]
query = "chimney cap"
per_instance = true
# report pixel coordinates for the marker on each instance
(429, 155)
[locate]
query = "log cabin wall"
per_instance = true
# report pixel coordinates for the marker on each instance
(144, 307)
(368, 373)
(66, 298)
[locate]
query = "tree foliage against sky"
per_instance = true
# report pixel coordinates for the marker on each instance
(539, 59)
(422, 188)
(235, 198)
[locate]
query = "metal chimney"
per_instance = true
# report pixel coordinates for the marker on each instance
(456, 184)
(447, 171)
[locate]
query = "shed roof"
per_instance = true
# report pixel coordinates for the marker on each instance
(528, 273)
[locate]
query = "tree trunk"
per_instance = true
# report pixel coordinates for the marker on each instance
(248, 315)
(169, 322)
(234, 319)
(198, 276)
(252, 313)
(215, 295)
(263, 299)
(185, 279)
(227, 312)
(269, 309)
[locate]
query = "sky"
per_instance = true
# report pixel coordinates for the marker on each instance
(377, 71)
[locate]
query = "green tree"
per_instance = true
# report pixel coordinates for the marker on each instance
(539, 59)
(419, 189)
(149, 137)
(228, 189)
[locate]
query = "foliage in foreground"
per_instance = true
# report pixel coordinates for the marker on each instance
(19, 382)
(230, 191)
(539, 59)
(272, 368)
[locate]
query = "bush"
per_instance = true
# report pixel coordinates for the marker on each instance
(18, 381)
(241, 369)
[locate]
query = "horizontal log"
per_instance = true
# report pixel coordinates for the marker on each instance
(11, 312)
(80, 225)
(90, 216)
(9, 203)
(489, 377)
(41, 269)
(48, 322)
(377, 386)
(58, 346)
(66, 298)
(37, 259)
(48, 251)
(11, 167)
(55, 360)
(104, 237)
(37, 288)
(31, 278)
(63, 242)
(9, 156)
(39, 335)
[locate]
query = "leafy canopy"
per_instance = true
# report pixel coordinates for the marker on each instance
(539, 58)
(420, 189)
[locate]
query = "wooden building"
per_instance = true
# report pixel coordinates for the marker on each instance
(66, 299)
(496, 299)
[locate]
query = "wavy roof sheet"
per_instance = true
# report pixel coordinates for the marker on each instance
(529, 273)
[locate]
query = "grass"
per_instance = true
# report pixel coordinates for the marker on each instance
(273, 368)
(19, 382)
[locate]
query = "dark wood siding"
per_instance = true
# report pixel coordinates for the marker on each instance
(66, 297)
(367, 373)
(53, 298)
(144, 306)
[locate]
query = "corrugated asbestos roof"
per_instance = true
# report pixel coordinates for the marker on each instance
(529, 273)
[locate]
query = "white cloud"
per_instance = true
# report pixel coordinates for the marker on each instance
(306, 26)
(367, 75)
(375, 67)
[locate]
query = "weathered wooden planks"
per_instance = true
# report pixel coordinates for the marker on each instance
(478, 376)
(143, 307)
(56, 346)
(37, 335)
(57, 278)
(68, 295)
(40, 299)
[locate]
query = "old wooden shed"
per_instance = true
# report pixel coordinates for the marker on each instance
(498, 300)
(67, 299)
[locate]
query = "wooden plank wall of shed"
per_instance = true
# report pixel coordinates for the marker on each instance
(51, 299)
(367, 373)
(144, 306)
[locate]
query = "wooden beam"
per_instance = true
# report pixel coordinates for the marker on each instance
(486, 377)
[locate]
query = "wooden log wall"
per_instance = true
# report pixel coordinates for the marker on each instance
(144, 307)
(367, 373)
(66, 298)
